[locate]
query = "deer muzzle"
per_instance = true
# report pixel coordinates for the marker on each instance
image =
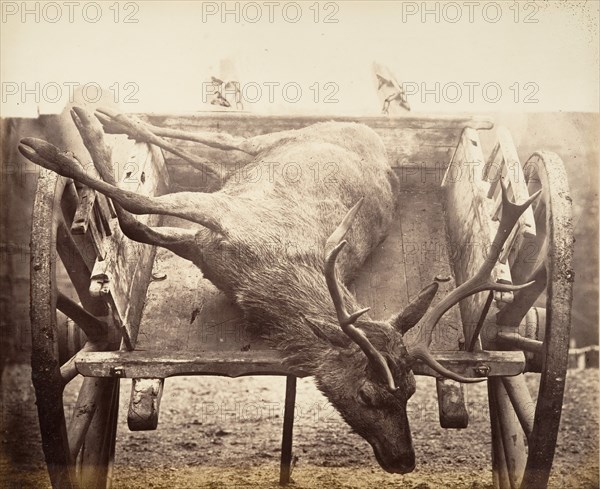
(393, 461)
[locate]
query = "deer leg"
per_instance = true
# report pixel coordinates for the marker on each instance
(200, 208)
(115, 123)
(180, 241)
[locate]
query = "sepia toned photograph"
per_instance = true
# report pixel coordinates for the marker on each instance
(303, 244)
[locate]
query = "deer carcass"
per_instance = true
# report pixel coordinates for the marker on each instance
(296, 294)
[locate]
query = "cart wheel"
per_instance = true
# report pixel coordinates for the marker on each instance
(524, 432)
(64, 319)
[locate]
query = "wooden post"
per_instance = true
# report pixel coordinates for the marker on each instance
(144, 404)
(288, 427)
(451, 403)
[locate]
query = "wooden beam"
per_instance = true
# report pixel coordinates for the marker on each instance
(218, 120)
(413, 141)
(153, 364)
(83, 213)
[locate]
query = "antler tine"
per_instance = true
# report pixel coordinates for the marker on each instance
(333, 247)
(333, 285)
(480, 282)
(338, 235)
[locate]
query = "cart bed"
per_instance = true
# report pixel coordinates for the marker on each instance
(185, 312)
(189, 327)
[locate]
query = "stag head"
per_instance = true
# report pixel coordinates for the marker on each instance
(371, 380)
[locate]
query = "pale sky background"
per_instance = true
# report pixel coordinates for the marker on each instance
(171, 51)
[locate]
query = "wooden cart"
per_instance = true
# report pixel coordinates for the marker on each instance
(162, 318)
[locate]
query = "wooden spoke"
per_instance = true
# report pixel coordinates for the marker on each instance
(79, 269)
(513, 439)
(499, 468)
(98, 451)
(83, 414)
(68, 371)
(521, 401)
(523, 300)
(91, 326)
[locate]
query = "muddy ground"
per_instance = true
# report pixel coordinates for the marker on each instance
(216, 432)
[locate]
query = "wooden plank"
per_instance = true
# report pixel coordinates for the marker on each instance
(424, 245)
(83, 214)
(381, 283)
(504, 165)
(468, 222)
(219, 120)
(185, 311)
(125, 272)
(153, 364)
(426, 141)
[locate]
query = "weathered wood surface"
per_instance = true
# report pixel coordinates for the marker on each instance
(503, 164)
(469, 224)
(513, 437)
(452, 409)
(155, 365)
(186, 312)
(559, 295)
(424, 141)
(414, 253)
(126, 269)
(144, 404)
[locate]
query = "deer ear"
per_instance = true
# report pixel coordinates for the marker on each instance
(337, 339)
(413, 313)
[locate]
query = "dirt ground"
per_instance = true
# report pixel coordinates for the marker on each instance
(223, 433)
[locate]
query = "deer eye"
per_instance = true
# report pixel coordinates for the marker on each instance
(365, 398)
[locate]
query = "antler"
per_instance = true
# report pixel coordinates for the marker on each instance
(333, 246)
(480, 282)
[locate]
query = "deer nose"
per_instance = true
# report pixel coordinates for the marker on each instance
(405, 464)
(395, 463)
